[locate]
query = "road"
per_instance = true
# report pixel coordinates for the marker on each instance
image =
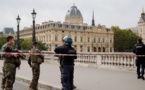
(18, 85)
(85, 78)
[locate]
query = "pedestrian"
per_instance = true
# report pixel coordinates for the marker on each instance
(66, 63)
(11, 62)
(139, 49)
(34, 62)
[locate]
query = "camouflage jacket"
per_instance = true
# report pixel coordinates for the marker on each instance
(35, 58)
(8, 58)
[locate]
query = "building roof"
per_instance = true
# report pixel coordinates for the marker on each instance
(74, 11)
(1, 33)
(142, 18)
(8, 31)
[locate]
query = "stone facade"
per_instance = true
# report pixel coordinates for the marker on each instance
(141, 26)
(85, 38)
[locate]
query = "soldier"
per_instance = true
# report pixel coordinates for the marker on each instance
(139, 49)
(66, 63)
(34, 62)
(11, 61)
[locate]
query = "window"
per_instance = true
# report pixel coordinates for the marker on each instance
(103, 40)
(88, 49)
(94, 40)
(78, 27)
(50, 38)
(53, 25)
(110, 49)
(98, 40)
(81, 46)
(72, 26)
(56, 38)
(75, 39)
(66, 26)
(48, 25)
(45, 26)
(84, 28)
(110, 40)
(88, 39)
(50, 48)
(59, 25)
(81, 39)
(103, 49)
(56, 45)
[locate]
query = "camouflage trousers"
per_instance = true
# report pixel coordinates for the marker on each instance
(36, 74)
(9, 72)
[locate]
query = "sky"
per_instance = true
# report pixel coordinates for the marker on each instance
(122, 13)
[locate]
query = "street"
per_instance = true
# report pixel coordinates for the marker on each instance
(18, 85)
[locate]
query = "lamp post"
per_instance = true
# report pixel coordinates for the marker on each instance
(18, 37)
(33, 33)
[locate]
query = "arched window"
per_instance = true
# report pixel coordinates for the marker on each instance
(95, 49)
(99, 49)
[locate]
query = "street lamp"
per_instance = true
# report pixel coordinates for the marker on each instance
(33, 33)
(18, 37)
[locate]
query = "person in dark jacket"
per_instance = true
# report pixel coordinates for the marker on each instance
(139, 49)
(67, 63)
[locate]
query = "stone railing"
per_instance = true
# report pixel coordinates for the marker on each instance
(123, 60)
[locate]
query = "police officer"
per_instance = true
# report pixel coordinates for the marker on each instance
(10, 64)
(139, 49)
(34, 62)
(67, 63)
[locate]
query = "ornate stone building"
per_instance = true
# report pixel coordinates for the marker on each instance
(7, 31)
(141, 26)
(85, 38)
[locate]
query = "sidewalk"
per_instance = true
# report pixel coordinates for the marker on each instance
(85, 78)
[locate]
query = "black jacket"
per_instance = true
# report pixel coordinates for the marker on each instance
(66, 60)
(139, 49)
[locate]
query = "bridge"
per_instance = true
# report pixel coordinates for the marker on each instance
(109, 71)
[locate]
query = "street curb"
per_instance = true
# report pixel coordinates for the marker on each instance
(41, 84)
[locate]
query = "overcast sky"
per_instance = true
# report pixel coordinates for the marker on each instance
(122, 13)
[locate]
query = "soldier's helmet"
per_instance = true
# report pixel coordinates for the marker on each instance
(68, 40)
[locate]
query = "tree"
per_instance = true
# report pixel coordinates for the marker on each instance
(2, 41)
(124, 39)
(26, 44)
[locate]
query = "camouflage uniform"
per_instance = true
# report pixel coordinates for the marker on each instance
(35, 64)
(9, 67)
